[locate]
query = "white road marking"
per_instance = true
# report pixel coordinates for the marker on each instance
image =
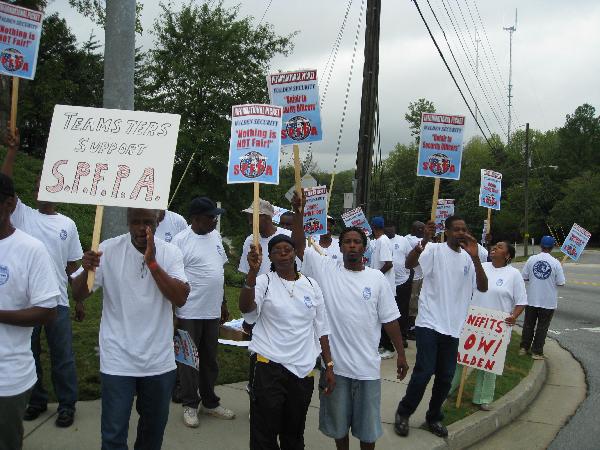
(554, 332)
(593, 330)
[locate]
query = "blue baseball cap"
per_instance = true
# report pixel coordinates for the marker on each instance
(547, 242)
(377, 222)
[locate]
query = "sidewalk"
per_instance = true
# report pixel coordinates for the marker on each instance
(214, 433)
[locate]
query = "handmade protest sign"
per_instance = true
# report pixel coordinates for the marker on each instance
(20, 30)
(440, 146)
(109, 157)
(307, 181)
(484, 340)
(185, 350)
(297, 93)
(356, 218)
(255, 144)
(490, 190)
(576, 241)
(445, 209)
(315, 211)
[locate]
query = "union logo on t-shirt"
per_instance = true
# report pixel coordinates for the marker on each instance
(367, 293)
(308, 301)
(499, 282)
(542, 270)
(4, 275)
(63, 235)
(168, 236)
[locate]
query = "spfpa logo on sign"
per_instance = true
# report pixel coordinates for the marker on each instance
(439, 164)
(253, 165)
(298, 128)
(13, 60)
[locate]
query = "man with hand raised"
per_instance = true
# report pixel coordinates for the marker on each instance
(451, 273)
(142, 279)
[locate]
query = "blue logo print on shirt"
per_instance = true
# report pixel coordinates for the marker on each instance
(63, 235)
(4, 275)
(499, 282)
(466, 270)
(542, 270)
(220, 250)
(168, 236)
(308, 302)
(367, 293)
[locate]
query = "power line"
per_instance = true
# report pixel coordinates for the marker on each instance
(450, 71)
(265, 12)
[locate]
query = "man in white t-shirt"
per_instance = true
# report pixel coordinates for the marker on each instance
(328, 244)
(170, 224)
(414, 238)
(59, 234)
(204, 311)
(544, 273)
(28, 296)
(402, 281)
(358, 301)
(451, 272)
(141, 280)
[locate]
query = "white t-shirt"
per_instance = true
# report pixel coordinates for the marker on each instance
(448, 285)
(25, 282)
(382, 252)
(264, 244)
(58, 233)
(136, 329)
(413, 241)
(170, 226)
(483, 253)
(400, 250)
(506, 289)
(203, 259)
(544, 272)
(357, 304)
(333, 251)
(288, 328)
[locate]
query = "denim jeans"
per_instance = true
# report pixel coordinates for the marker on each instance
(152, 404)
(62, 363)
(436, 355)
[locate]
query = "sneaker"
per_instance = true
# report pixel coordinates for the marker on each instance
(33, 412)
(65, 419)
(219, 412)
(522, 352)
(386, 354)
(538, 357)
(485, 407)
(437, 428)
(190, 417)
(401, 425)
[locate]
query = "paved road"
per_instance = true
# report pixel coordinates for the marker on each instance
(576, 326)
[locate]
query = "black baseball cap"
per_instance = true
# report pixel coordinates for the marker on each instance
(7, 186)
(204, 206)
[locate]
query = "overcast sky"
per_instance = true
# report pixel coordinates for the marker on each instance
(555, 60)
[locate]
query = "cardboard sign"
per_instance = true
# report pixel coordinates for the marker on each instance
(490, 190)
(445, 209)
(356, 218)
(277, 214)
(484, 340)
(315, 211)
(255, 144)
(307, 181)
(109, 157)
(576, 241)
(185, 350)
(20, 30)
(298, 94)
(440, 146)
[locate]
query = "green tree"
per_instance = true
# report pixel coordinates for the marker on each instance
(413, 116)
(578, 203)
(204, 61)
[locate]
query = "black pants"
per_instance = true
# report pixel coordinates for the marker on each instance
(11, 420)
(205, 334)
(278, 405)
(543, 317)
(403, 292)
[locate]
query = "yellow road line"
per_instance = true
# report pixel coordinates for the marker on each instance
(585, 283)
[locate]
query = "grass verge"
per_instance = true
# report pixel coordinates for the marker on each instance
(515, 369)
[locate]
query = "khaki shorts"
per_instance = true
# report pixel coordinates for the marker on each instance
(413, 306)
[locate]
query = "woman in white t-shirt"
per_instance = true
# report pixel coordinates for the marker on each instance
(506, 292)
(290, 332)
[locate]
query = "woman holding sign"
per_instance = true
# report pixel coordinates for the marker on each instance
(506, 292)
(291, 315)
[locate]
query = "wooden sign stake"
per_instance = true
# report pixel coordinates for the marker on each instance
(95, 241)
(463, 379)
(436, 194)
(13, 104)
(489, 222)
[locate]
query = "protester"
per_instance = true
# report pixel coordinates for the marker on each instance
(290, 315)
(59, 234)
(204, 311)
(142, 278)
(452, 272)
(543, 272)
(170, 224)
(29, 294)
(402, 281)
(286, 220)
(328, 244)
(506, 292)
(414, 238)
(358, 301)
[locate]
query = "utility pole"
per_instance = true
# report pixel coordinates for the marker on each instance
(511, 30)
(119, 59)
(368, 106)
(526, 234)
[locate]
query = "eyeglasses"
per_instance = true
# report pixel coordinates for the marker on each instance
(282, 251)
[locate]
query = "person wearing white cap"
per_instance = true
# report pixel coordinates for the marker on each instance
(543, 272)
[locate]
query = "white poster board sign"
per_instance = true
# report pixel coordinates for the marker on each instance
(484, 340)
(109, 157)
